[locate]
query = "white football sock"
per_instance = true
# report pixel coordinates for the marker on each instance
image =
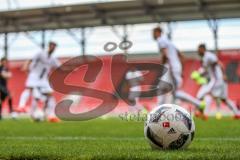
(24, 98)
(208, 100)
(34, 106)
(51, 104)
(232, 106)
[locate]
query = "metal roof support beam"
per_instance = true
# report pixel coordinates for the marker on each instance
(124, 36)
(213, 25)
(116, 13)
(80, 41)
(203, 8)
(83, 41)
(212, 22)
(8, 41)
(116, 32)
(43, 44)
(6, 45)
(73, 35)
(30, 37)
(170, 31)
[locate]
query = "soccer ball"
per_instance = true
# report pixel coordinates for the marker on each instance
(38, 115)
(169, 126)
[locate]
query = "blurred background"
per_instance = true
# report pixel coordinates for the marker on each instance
(186, 35)
(84, 27)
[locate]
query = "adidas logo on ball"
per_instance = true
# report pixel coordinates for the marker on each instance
(172, 131)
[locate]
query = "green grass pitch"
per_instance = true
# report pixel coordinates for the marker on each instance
(111, 139)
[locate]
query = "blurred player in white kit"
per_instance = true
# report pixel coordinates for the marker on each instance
(37, 84)
(216, 86)
(171, 58)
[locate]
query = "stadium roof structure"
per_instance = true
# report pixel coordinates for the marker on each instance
(116, 13)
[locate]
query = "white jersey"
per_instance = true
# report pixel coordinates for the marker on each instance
(172, 53)
(40, 68)
(210, 64)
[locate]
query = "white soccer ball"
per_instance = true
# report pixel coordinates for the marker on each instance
(169, 126)
(38, 115)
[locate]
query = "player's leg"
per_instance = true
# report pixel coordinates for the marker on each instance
(5, 94)
(34, 106)
(179, 94)
(218, 106)
(31, 83)
(2, 98)
(208, 100)
(220, 90)
(0, 108)
(218, 103)
(24, 98)
(50, 108)
(50, 102)
(14, 114)
(36, 98)
(205, 89)
(9, 100)
(168, 97)
(231, 106)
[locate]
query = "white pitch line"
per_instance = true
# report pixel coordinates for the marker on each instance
(218, 139)
(74, 138)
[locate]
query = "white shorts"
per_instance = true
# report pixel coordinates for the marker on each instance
(174, 77)
(220, 90)
(45, 87)
(165, 78)
(32, 81)
(177, 79)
